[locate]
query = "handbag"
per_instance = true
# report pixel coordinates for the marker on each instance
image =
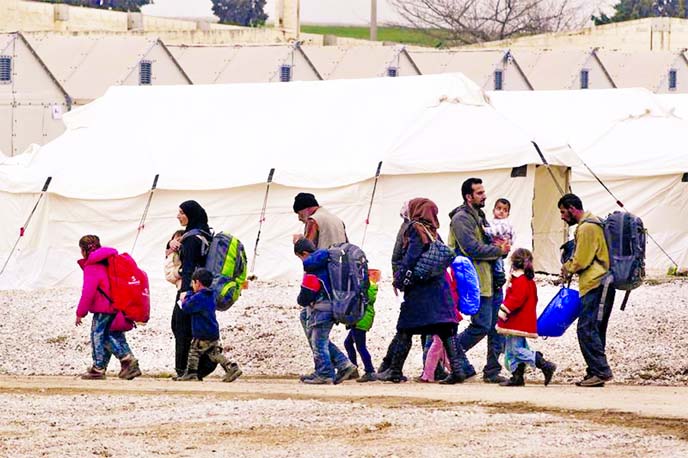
(435, 260)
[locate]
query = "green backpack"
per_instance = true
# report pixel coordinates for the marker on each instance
(227, 262)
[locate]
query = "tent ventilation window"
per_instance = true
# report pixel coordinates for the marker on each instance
(393, 72)
(672, 80)
(519, 172)
(285, 73)
(584, 79)
(684, 178)
(498, 80)
(5, 69)
(145, 72)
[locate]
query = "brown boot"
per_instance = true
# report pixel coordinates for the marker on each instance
(94, 373)
(130, 368)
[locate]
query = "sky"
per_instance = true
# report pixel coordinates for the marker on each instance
(350, 12)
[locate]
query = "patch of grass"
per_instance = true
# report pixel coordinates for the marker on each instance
(57, 339)
(394, 34)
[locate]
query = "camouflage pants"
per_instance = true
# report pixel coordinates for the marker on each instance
(211, 348)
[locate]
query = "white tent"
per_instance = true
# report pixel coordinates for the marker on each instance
(630, 141)
(216, 144)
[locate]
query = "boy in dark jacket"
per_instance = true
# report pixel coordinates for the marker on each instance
(315, 296)
(204, 329)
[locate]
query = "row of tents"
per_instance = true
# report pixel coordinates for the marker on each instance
(44, 75)
(217, 144)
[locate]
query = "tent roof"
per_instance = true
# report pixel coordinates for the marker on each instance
(224, 136)
(676, 104)
(345, 62)
(553, 69)
(233, 64)
(86, 65)
(646, 69)
(617, 132)
(477, 65)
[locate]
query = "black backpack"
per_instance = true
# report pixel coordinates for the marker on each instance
(626, 242)
(347, 268)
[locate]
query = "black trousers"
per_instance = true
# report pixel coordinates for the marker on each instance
(181, 329)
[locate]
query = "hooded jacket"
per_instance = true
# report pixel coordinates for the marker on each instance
(95, 276)
(467, 237)
(517, 315)
(201, 307)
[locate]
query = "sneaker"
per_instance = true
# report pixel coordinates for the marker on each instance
(188, 377)
(130, 369)
(367, 377)
(494, 379)
(94, 373)
(593, 381)
(305, 376)
(317, 380)
(232, 373)
(348, 373)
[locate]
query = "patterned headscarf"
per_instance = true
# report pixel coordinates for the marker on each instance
(423, 216)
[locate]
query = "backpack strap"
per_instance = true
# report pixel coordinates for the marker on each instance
(607, 282)
(625, 300)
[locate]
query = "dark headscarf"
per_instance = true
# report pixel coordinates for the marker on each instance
(423, 215)
(198, 218)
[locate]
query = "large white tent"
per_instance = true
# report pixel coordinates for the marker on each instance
(631, 141)
(216, 144)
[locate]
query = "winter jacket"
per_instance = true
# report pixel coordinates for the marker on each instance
(365, 323)
(425, 302)
(95, 276)
(201, 307)
(467, 237)
(517, 314)
(193, 253)
(590, 259)
(316, 264)
(171, 268)
(398, 251)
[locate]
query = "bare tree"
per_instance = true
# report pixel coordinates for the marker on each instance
(457, 22)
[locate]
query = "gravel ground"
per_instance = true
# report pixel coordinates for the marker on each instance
(646, 343)
(111, 425)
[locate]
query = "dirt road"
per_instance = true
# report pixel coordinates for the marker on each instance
(65, 416)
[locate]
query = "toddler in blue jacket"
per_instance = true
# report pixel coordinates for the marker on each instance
(205, 331)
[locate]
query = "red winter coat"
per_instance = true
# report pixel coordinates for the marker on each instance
(517, 314)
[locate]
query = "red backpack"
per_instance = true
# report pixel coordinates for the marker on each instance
(129, 291)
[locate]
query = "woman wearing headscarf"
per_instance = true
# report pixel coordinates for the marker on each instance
(193, 250)
(428, 307)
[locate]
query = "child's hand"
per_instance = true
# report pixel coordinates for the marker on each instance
(175, 244)
(78, 321)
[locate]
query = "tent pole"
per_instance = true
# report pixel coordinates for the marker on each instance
(22, 230)
(142, 223)
(549, 168)
(370, 207)
(620, 204)
(252, 275)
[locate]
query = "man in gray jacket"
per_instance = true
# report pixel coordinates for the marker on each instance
(467, 237)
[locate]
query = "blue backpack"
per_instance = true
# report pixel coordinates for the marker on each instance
(347, 268)
(467, 285)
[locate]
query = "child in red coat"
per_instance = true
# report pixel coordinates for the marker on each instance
(517, 320)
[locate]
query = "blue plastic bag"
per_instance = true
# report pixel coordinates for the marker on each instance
(561, 311)
(467, 285)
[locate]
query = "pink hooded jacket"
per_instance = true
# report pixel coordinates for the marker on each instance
(95, 275)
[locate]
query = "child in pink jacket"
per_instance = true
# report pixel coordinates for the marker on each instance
(107, 327)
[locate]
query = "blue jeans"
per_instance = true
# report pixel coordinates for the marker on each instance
(309, 320)
(592, 331)
(357, 337)
(516, 351)
(483, 324)
(105, 343)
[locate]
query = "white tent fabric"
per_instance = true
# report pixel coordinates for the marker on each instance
(631, 141)
(216, 144)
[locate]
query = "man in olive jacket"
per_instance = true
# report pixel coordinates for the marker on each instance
(467, 237)
(590, 260)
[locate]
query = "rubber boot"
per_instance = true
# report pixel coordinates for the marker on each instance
(516, 377)
(456, 356)
(397, 359)
(547, 367)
